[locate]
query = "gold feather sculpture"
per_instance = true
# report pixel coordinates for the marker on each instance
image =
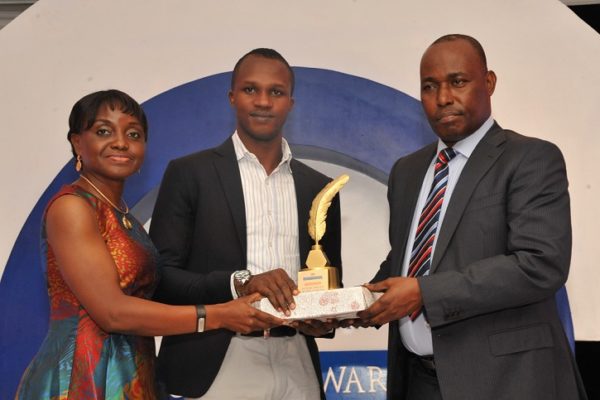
(318, 211)
(318, 274)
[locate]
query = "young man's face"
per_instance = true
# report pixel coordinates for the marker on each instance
(262, 98)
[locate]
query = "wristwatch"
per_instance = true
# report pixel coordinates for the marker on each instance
(240, 280)
(201, 315)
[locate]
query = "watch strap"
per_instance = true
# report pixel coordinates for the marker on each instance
(200, 317)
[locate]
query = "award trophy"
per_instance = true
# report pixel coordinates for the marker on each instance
(319, 275)
(320, 294)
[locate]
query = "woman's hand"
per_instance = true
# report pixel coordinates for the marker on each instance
(240, 316)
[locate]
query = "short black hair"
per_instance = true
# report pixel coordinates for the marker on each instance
(471, 40)
(266, 53)
(84, 112)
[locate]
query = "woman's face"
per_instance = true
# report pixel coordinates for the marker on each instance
(113, 147)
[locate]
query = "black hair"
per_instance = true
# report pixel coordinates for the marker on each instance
(84, 112)
(471, 40)
(266, 53)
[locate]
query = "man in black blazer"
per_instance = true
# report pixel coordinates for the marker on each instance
(232, 221)
(480, 322)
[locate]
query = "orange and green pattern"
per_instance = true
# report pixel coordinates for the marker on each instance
(77, 359)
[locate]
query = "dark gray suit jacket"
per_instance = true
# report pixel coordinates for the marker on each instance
(503, 250)
(199, 229)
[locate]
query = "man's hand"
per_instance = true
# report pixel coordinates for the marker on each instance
(355, 323)
(314, 327)
(401, 297)
(240, 316)
(277, 286)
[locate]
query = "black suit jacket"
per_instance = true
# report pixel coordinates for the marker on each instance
(199, 229)
(503, 250)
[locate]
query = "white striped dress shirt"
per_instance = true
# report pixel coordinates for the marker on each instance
(271, 212)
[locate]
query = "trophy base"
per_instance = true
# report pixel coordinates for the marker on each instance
(327, 304)
(317, 279)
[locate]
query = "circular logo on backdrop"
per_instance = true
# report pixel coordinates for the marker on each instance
(337, 118)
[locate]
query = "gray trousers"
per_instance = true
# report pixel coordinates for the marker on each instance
(267, 369)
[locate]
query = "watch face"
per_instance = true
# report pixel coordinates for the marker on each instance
(242, 276)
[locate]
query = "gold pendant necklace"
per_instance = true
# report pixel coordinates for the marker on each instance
(126, 222)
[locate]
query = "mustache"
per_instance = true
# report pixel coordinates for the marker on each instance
(261, 114)
(448, 112)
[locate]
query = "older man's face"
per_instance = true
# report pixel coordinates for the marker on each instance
(455, 89)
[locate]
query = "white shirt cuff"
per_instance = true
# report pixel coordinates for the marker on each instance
(233, 291)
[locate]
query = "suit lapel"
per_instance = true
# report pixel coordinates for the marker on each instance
(481, 160)
(304, 199)
(405, 203)
(228, 172)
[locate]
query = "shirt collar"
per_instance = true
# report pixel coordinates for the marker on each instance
(468, 144)
(241, 151)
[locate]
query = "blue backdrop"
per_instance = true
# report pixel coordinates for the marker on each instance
(337, 118)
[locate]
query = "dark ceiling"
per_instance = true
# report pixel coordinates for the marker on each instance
(590, 13)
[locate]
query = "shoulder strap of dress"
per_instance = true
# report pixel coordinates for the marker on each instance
(73, 190)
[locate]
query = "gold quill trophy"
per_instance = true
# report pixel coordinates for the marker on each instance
(320, 294)
(319, 275)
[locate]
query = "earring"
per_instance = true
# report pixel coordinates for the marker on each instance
(78, 163)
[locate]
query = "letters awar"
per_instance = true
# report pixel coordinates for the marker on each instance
(360, 381)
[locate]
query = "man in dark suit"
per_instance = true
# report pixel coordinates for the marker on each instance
(231, 221)
(471, 277)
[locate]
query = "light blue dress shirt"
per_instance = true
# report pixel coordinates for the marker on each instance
(416, 335)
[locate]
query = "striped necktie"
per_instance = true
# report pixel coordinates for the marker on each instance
(420, 257)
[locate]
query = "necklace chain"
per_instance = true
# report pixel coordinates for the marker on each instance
(106, 198)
